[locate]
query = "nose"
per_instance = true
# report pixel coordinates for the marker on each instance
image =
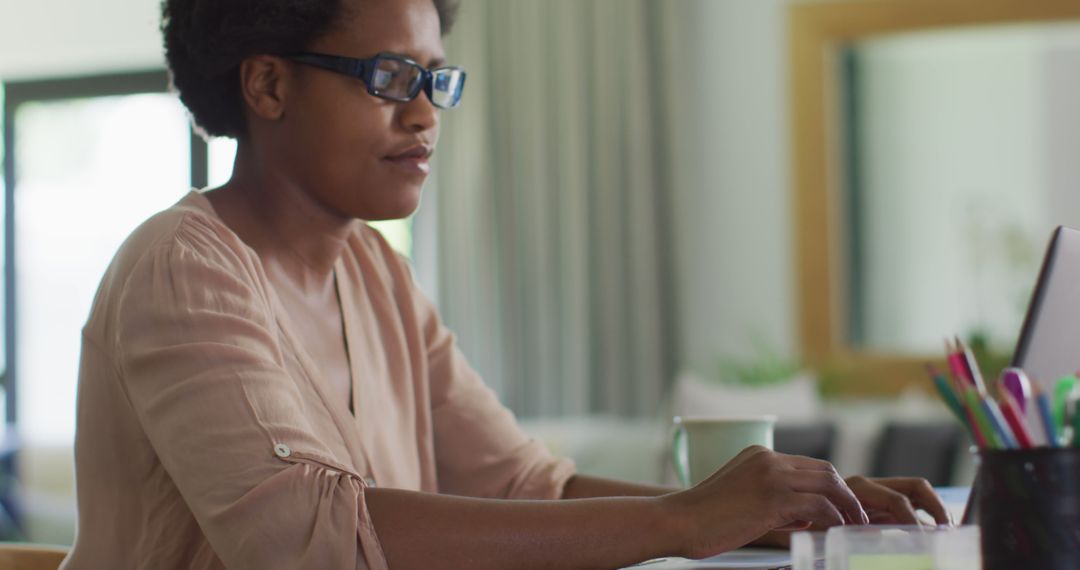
(420, 114)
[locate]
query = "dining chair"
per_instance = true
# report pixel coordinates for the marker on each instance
(26, 556)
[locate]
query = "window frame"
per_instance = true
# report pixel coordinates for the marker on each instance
(20, 92)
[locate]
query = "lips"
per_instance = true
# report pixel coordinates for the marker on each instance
(412, 159)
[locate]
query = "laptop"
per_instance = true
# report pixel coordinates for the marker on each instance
(1049, 343)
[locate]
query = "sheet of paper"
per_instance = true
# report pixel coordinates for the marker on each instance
(741, 559)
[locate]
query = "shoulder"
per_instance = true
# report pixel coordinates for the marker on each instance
(179, 250)
(190, 225)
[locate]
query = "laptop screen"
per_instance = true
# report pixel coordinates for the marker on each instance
(1050, 338)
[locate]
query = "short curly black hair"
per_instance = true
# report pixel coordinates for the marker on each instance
(206, 40)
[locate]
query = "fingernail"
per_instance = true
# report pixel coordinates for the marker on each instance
(865, 517)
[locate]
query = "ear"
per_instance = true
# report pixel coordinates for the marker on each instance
(263, 83)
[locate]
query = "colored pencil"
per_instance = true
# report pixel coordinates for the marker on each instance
(1009, 408)
(972, 366)
(948, 395)
(991, 439)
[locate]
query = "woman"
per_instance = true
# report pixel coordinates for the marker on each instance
(263, 386)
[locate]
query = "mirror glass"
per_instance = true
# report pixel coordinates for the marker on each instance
(961, 154)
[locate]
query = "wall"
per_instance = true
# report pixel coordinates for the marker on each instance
(731, 205)
(40, 38)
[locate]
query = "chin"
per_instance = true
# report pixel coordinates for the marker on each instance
(403, 207)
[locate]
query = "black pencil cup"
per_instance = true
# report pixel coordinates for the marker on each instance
(1028, 508)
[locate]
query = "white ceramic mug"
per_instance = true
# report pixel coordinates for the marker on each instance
(702, 445)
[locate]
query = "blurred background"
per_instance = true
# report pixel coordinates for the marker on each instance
(624, 220)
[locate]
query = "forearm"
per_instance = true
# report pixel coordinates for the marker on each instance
(583, 486)
(586, 486)
(424, 530)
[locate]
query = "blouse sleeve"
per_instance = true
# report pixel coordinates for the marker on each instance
(200, 363)
(480, 449)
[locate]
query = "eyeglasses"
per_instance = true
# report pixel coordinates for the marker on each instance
(394, 77)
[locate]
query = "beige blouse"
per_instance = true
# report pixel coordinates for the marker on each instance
(206, 439)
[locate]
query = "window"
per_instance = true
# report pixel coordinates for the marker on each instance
(91, 159)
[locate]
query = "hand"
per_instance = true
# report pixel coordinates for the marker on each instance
(886, 501)
(895, 500)
(756, 492)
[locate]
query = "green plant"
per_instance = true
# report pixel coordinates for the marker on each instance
(767, 367)
(991, 361)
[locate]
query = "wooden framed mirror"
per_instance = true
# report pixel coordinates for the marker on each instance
(821, 36)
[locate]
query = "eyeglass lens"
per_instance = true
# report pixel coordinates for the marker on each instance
(395, 78)
(400, 80)
(446, 87)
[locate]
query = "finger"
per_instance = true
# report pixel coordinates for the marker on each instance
(875, 496)
(921, 494)
(809, 463)
(810, 509)
(881, 517)
(831, 486)
(742, 457)
(794, 526)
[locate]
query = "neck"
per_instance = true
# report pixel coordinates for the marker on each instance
(292, 232)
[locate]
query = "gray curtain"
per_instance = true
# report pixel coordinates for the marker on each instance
(552, 219)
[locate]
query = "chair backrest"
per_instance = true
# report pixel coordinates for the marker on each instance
(21, 556)
(812, 440)
(926, 450)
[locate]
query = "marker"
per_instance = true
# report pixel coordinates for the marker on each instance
(1062, 389)
(1076, 430)
(1015, 382)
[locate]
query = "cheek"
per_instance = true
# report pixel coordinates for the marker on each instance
(346, 140)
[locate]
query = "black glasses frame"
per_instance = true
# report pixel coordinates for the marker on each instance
(364, 70)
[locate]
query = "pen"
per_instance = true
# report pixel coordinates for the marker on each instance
(1042, 409)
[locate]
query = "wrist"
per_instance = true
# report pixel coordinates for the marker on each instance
(671, 525)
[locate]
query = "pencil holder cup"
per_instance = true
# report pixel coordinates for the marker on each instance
(1027, 505)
